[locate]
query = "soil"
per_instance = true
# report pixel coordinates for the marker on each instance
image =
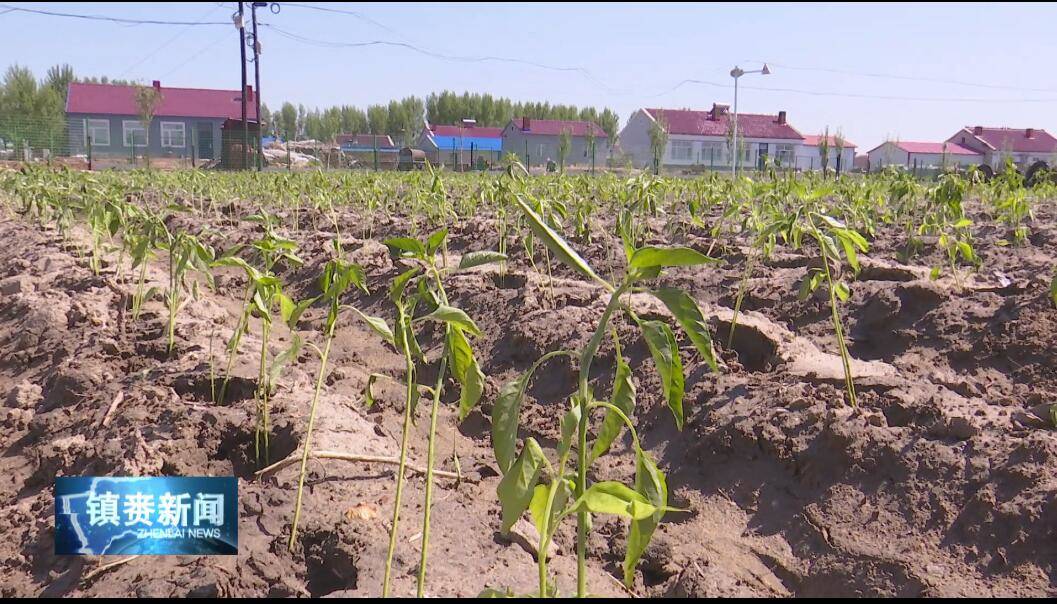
(942, 483)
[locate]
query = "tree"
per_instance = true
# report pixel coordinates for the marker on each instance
(58, 79)
(565, 142)
(288, 118)
(658, 142)
(609, 122)
(592, 140)
(823, 151)
(147, 100)
(838, 142)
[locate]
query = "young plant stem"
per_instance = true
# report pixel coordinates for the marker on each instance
(848, 382)
(586, 358)
(262, 390)
(429, 472)
(410, 373)
(308, 436)
(741, 297)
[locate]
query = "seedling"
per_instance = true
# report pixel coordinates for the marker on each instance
(423, 285)
(338, 276)
(565, 491)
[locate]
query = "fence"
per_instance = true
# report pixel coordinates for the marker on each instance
(120, 142)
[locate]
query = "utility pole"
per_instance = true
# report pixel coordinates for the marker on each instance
(257, 83)
(241, 23)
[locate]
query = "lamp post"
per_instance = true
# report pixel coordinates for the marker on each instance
(736, 73)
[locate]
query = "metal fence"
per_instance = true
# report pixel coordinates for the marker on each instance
(67, 141)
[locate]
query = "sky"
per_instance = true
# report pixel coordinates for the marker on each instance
(913, 72)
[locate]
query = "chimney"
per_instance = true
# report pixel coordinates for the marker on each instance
(781, 117)
(978, 130)
(249, 93)
(156, 84)
(526, 123)
(718, 110)
(1029, 132)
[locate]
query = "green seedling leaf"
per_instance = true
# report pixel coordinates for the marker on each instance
(569, 425)
(518, 485)
(284, 358)
(688, 314)
(623, 399)
(653, 256)
(538, 507)
(505, 419)
(473, 259)
(379, 326)
(650, 483)
(455, 317)
(396, 289)
(368, 392)
(472, 387)
(1053, 290)
(406, 246)
(842, 291)
(665, 352)
(610, 497)
(556, 244)
(435, 241)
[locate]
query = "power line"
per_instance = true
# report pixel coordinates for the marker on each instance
(109, 19)
(436, 55)
(194, 56)
(889, 76)
(340, 11)
(854, 95)
(165, 44)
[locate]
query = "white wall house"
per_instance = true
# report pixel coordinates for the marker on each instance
(808, 156)
(1024, 146)
(701, 138)
(921, 156)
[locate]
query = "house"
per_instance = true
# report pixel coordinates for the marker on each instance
(536, 141)
(808, 156)
(917, 156)
(353, 143)
(702, 138)
(443, 144)
(1023, 146)
(187, 121)
(369, 149)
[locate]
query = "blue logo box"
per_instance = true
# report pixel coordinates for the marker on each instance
(110, 515)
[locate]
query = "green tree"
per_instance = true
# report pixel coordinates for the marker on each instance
(288, 118)
(658, 141)
(148, 98)
(565, 142)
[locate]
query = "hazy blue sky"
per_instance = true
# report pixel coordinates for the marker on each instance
(635, 55)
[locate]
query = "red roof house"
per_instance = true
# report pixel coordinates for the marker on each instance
(1024, 146)
(697, 137)
(717, 122)
(188, 122)
(537, 141)
(109, 99)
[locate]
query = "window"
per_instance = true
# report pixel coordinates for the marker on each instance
(681, 150)
(784, 153)
(134, 133)
(712, 153)
(172, 134)
(97, 131)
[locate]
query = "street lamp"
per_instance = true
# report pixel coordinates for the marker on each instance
(736, 73)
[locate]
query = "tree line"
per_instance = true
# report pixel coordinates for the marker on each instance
(404, 119)
(33, 110)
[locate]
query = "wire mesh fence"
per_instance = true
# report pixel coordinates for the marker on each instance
(126, 142)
